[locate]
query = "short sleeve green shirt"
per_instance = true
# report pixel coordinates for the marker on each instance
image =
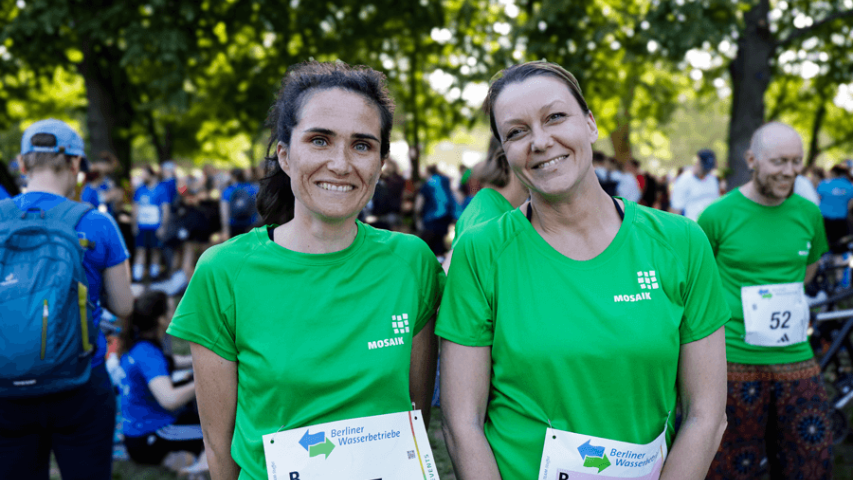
(316, 338)
(759, 245)
(589, 347)
(486, 205)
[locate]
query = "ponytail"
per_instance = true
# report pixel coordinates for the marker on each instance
(147, 310)
(275, 197)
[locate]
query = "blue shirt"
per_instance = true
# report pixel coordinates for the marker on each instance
(140, 411)
(438, 199)
(170, 188)
(108, 251)
(835, 195)
(3, 193)
(149, 214)
(229, 192)
(96, 196)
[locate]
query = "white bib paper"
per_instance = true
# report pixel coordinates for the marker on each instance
(148, 215)
(775, 315)
(387, 447)
(570, 456)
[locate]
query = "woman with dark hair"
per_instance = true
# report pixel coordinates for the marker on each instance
(571, 325)
(501, 192)
(285, 321)
(153, 419)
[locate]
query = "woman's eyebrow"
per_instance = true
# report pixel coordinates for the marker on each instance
(330, 133)
(324, 131)
(365, 136)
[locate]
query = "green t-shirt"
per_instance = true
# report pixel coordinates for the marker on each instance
(486, 205)
(589, 347)
(759, 245)
(316, 338)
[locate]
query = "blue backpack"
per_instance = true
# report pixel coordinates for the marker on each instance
(46, 342)
(242, 205)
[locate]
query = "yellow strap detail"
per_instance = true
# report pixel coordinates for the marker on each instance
(82, 296)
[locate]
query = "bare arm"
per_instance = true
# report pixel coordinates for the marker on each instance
(465, 377)
(183, 361)
(134, 217)
(117, 287)
(225, 217)
(702, 387)
(165, 211)
(811, 271)
(169, 396)
(216, 390)
(422, 369)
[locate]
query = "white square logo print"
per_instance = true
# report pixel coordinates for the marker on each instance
(648, 280)
(400, 323)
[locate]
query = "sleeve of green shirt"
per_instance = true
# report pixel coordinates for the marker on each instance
(705, 309)
(206, 313)
(466, 313)
(819, 242)
(432, 286)
(706, 221)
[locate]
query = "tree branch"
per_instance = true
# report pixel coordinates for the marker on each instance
(838, 143)
(813, 27)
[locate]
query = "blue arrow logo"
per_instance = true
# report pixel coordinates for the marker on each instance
(588, 450)
(308, 440)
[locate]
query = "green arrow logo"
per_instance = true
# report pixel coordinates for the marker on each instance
(324, 449)
(596, 462)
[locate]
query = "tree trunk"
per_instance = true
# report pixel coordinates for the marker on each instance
(814, 143)
(413, 127)
(108, 113)
(621, 136)
(750, 71)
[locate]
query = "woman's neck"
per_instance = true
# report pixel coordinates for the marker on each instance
(514, 191)
(581, 225)
(309, 234)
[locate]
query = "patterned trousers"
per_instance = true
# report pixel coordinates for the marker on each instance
(779, 412)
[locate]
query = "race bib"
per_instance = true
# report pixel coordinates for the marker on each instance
(570, 456)
(775, 315)
(386, 447)
(149, 215)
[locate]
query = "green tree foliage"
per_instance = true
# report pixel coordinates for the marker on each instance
(763, 46)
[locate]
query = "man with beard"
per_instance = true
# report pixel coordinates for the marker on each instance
(767, 242)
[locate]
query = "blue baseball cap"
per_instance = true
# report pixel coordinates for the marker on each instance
(707, 159)
(66, 140)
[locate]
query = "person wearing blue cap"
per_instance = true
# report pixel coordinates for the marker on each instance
(77, 422)
(696, 188)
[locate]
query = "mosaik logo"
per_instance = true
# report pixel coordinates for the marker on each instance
(399, 326)
(648, 281)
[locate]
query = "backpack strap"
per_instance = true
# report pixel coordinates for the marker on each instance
(69, 213)
(9, 209)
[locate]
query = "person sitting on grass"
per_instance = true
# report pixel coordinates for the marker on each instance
(157, 416)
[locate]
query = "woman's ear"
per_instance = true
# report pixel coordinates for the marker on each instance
(281, 152)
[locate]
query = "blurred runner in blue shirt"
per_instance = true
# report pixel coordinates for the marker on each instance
(77, 425)
(836, 194)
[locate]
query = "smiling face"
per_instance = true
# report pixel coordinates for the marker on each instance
(777, 162)
(546, 135)
(333, 159)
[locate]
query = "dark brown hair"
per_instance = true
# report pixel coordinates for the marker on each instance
(147, 310)
(275, 197)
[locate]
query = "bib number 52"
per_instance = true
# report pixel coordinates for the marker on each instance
(779, 320)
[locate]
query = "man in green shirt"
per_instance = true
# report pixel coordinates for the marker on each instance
(767, 242)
